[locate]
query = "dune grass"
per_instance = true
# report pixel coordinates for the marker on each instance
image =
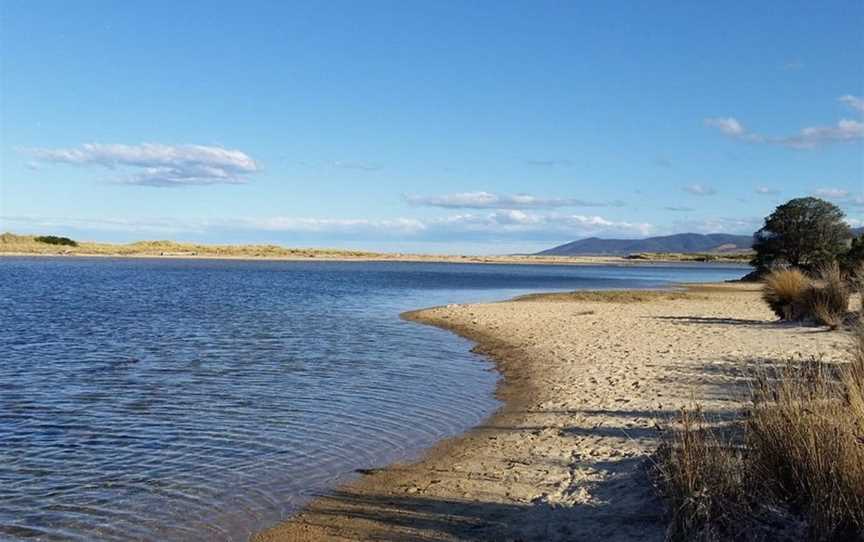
(784, 292)
(28, 244)
(794, 469)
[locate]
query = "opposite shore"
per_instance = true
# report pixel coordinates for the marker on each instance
(590, 380)
(27, 245)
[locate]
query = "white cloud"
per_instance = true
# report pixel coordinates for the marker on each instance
(699, 190)
(155, 164)
(854, 102)
(766, 190)
(729, 125)
(846, 130)
(488, 200)
(831, 192)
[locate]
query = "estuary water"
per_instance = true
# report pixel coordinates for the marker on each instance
(190, 399)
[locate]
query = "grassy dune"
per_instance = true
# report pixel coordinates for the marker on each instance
(27, 244)
(11, 243)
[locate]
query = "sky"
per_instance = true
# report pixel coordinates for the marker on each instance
(424, 126)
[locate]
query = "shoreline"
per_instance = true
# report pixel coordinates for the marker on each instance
(565, 456)
(619, 261)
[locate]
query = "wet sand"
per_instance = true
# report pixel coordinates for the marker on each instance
(587, 382)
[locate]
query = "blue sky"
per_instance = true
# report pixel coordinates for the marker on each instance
(481, 127)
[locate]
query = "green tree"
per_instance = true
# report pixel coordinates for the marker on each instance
(803, 232)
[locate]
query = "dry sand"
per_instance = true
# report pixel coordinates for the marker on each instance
(586, 383)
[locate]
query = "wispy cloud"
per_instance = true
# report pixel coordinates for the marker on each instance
(511, 224)
(855, 102)
(831, 192)
(357, 164)
(793, 65)
(727, 125)
(766, 191)
(679, 209)
(155, 164)
(738, 226)
(488, 200)
(699, 190)
(550, 163)
(841, 196)
(844, 131)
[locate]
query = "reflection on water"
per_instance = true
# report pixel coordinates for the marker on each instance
(205, 400)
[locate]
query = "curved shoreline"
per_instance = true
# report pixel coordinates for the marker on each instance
(585, 381)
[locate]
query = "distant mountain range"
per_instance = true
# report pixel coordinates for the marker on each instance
(681, 242)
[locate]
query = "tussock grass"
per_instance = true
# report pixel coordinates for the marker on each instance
(827, 300)
(702, 479)
(785, 292)
(799, 471)
(792, 295)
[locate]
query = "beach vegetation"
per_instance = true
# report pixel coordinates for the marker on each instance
(803, 232)
(791, 468)
(795, 296)
(785, 292)
(853, 261)
(827, 298)
(55, 240)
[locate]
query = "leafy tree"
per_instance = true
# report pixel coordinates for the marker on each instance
(803, 232)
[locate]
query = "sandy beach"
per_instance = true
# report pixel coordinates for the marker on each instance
(589, 381)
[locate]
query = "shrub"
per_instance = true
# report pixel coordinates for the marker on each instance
(827, 301)
(54, 240)
(785, 292)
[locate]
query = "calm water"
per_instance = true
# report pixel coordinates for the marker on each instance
(205, 400)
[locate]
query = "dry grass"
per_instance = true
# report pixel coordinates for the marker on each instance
(827, 300)
(702, 479)
(28, 244)
(609, 296)
(802, 457)
(806, 444)
(785, 291)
